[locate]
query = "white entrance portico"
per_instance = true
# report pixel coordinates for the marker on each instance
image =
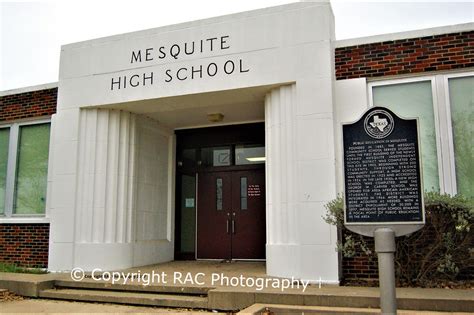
(112, 160)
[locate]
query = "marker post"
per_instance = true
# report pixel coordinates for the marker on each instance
(385, 249)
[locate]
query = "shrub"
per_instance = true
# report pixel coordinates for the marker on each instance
(443, 250)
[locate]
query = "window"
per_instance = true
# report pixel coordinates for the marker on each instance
(187, 215)
(188, 158)
(243, 193)
(216, 156)
(249, 154)
(32, 169)
(444, 105)
(219, 193)
(461, 98)
(415, 100)
(24, 152)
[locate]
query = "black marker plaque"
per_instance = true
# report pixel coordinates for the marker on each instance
(382, 175)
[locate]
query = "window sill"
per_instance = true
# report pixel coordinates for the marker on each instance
(20, 220)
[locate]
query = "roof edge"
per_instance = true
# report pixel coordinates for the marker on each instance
(405, 35)
(31, 88)
(292, 5)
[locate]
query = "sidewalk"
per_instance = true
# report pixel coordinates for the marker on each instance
(230, 297)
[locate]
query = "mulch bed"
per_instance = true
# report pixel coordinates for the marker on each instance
(458, 284)
(7, 296)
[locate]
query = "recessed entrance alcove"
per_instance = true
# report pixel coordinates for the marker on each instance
(123, 133)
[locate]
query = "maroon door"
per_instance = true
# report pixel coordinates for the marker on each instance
(231, 215)
(213, 218)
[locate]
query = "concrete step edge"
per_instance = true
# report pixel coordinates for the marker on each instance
(257, 309)
(132, 287)
(220, 299)
(120, 297)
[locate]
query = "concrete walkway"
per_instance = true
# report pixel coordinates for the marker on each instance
(237, 285)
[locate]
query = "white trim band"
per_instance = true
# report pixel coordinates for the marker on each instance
(28, 220)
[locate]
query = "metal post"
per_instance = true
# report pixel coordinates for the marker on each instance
(385, 248)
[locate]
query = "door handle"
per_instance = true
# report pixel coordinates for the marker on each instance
(227, 226)
(233, 226)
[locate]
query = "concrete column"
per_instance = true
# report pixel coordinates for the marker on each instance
(280, 181)
(300, 179)
(110, 187)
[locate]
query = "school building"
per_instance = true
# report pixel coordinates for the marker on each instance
(219, 139)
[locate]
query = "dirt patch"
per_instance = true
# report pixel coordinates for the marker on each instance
(58, 306)
(446, 284)
(7, 296)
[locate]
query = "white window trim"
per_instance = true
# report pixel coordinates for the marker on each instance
(9, 171)
(443, 123)
(8, 216)
(29, 220)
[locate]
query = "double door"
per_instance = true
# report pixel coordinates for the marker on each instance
(231, 215)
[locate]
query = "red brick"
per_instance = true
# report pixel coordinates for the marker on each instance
(406, 56)
(26, 244)
(28, 105)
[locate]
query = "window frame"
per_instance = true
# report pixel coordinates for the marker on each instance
(13, 145)
(6, 208)
(442, 119)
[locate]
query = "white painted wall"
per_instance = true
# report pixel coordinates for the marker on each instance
(289, 46)
(277, 45)
(93, 193)
(154, 227)
(350, 103)
(109, 210)
(300, 178)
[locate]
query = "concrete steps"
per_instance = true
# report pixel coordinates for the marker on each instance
(171, 296)
(230, 298)
(102, 285)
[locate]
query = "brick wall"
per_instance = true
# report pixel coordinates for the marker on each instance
(406, 56)
(24, 244)
(28, 104)
(399, 57)
(360, 269)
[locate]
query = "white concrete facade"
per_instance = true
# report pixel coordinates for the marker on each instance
(112, 157)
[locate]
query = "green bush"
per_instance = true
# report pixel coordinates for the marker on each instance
(441, 251)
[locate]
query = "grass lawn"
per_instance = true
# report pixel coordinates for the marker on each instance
(6, 267)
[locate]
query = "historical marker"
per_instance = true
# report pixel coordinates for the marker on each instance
(382, 174)
(383, 195)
